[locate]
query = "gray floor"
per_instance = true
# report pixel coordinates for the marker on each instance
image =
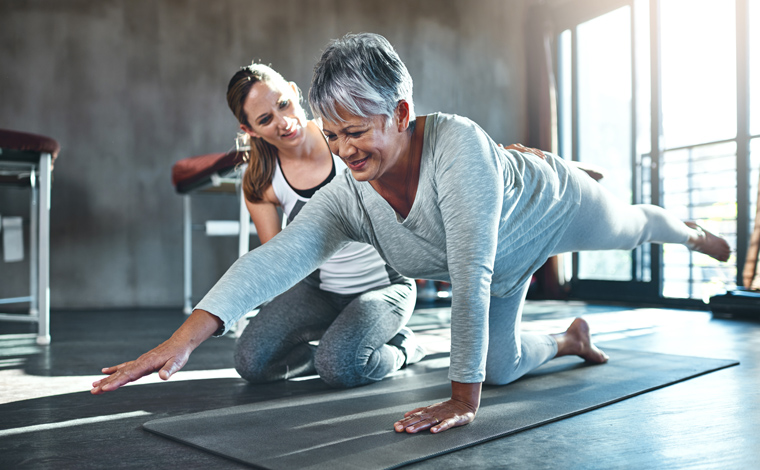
(49, 420)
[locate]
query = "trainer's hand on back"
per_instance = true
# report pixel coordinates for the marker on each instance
(524, 149)
(166, 359)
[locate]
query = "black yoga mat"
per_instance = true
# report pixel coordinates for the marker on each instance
(353, 429)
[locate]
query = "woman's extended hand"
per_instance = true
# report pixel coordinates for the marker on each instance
(166, 358)
(458, 411)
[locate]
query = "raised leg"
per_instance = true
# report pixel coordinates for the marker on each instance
(605, 223)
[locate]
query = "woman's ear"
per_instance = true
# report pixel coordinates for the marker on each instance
(402, 115)
(248, 130)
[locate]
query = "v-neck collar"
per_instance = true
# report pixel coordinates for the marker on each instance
(409, 219)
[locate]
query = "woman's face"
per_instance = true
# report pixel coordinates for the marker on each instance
(369, 146)
(274, 114)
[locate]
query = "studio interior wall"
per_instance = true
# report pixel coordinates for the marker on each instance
(128, 87)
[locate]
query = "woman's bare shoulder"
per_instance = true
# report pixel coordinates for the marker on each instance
(269, 196)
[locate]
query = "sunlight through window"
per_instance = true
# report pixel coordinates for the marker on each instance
(604, 122)
(698, 71)
(698, 168)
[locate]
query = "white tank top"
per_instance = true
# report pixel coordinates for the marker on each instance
(354, 269)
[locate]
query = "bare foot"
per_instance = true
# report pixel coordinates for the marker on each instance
(595, 172)
(576, 341)
(708, 243)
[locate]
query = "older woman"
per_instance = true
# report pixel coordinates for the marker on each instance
(438, 199)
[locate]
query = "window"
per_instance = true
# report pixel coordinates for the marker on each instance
(698, 160)
(754, 67)
(754, 108)
(604, 122)
(608, 80)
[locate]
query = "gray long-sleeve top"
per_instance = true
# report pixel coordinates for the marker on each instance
(483, 218)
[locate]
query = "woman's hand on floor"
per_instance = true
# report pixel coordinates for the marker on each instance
(458, 411)
(167, 358)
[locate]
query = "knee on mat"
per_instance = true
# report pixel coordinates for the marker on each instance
(255, 364)
(246, 366)
(332, 369)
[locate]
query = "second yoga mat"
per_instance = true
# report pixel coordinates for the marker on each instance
(352, 429)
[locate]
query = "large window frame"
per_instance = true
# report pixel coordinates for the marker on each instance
(567, 16)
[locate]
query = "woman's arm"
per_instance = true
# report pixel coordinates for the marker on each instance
(471, 218)
(267, 271)
(264, 215)
(166, 358)
(470, 181)
(306, 243)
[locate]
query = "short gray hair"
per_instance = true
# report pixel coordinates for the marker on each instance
(362, 74)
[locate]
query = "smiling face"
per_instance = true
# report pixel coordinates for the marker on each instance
(371, 147)
(274, 114)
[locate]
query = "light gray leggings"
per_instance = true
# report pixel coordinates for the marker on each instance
(601, 223)
(352, 331)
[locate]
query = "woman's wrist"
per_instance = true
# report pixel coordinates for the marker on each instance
(467, 394)
(198, 327)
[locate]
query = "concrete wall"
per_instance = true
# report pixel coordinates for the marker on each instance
(130, 86)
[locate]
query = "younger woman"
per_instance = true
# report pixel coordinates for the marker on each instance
(354, 304)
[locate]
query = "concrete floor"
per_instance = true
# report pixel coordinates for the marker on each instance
(48, 419)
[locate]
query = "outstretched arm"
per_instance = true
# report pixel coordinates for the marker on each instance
(259, 275)
(166, 358)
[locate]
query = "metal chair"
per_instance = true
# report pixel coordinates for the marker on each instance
(27, 160)
(209, 174)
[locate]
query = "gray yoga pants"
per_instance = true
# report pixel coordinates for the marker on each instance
(602, 223)
(352, 331)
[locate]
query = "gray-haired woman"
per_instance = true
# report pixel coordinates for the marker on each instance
(439, 199)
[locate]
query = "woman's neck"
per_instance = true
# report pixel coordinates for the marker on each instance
(399, 185)
(310, 163)
(312, 148)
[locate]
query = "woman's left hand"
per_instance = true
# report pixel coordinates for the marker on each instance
(458, 411)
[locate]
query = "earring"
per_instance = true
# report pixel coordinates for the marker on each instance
(242, 142)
